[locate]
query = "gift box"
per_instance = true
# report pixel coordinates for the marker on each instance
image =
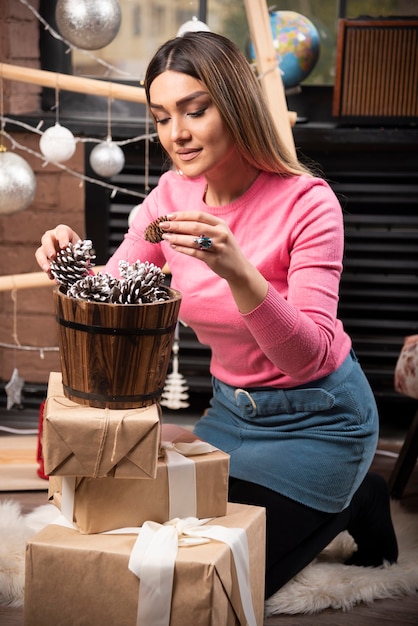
(89, 579)
(85, 441)
(191, 481)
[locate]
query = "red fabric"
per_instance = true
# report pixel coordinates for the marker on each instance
(39, 453)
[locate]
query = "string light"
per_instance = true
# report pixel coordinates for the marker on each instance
(114, 188)
(40, 349)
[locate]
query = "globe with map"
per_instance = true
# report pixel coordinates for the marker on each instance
(297, 43)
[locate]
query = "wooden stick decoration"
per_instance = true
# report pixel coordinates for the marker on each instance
(68, 82)
(267, 66)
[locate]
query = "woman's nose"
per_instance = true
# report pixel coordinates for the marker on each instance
(179, 131)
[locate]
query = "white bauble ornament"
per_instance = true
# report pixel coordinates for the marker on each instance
(17, 183)
(88, 24)
(57, 143)
(107, 159)
(194, 25)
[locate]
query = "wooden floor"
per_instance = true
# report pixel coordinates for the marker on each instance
(391, 612)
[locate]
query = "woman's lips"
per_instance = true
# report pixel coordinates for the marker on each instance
(188, 155)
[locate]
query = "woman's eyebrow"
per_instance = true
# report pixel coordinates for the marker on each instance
(185, 100)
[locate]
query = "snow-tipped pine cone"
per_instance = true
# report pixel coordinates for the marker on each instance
(73, 262)
(94, 288)
(140, 283)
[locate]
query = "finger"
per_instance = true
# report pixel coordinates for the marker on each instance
(65, 235)
(43, 260)
(188, 221)
(49, 244)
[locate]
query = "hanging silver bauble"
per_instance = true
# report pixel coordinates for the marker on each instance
(107, 159)
(17, 183)
(88, 24)
(57, 143)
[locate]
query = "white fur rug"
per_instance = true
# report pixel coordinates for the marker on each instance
(325, 583)
(15, 530)
(328, 583)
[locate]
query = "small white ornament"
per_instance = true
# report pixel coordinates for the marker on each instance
(175, 394)
(194, 25)
(107, 159)
(14, 390)
(17, 183)
(57, 143)
(88, 24)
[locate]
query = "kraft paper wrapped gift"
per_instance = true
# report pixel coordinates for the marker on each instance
(84, 441)
(185, 486)
(85, 579)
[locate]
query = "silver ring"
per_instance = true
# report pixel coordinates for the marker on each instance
(203, 242)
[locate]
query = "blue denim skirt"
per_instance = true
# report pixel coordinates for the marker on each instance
(313, 443)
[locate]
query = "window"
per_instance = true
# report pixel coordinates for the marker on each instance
(145, 26)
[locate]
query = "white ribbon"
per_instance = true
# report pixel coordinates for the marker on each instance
(153, 559)
(67, 497)
(182, 476)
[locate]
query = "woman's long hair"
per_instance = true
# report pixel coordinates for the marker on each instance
(227, 75)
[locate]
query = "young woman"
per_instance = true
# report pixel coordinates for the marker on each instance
(254, 242)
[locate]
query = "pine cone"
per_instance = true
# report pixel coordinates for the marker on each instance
(73, 262)
(140, 283)
(146, 272)
(153, 233)
(94, 288)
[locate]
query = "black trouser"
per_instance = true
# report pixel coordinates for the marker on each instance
(296, 534)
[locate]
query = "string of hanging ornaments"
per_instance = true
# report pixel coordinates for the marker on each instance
(79, 20)
(84, 25)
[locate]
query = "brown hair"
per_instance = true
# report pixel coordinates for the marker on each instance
(220, 65)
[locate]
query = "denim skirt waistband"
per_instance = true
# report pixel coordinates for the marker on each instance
(315, 395)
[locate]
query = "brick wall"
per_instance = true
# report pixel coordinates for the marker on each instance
(27, 315)
(19, 46)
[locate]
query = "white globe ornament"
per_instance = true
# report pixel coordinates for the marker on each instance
(107, 159)
(57, 143)
(194, 25)
(88, 24)
(17, 183)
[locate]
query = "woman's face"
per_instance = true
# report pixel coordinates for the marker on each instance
(189, 124)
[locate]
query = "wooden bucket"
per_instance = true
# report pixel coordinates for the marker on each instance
(115, 355)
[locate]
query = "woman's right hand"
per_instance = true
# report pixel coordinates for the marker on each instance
(51, 242)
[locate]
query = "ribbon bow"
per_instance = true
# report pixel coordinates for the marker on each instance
(153, 559)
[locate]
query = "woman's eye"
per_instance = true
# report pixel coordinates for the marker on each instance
(198, 113)
(163, 121)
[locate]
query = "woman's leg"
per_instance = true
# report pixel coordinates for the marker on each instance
(296, 534)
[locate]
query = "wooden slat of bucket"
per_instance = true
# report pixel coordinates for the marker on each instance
(105, 369)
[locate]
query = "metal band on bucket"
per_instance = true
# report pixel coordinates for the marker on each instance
(104, 398)
(102, 330)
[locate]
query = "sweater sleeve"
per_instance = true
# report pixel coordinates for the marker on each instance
(296, 330)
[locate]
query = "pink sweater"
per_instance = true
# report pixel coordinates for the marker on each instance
(292, 231)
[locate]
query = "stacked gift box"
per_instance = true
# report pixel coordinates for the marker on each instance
(145, 535)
